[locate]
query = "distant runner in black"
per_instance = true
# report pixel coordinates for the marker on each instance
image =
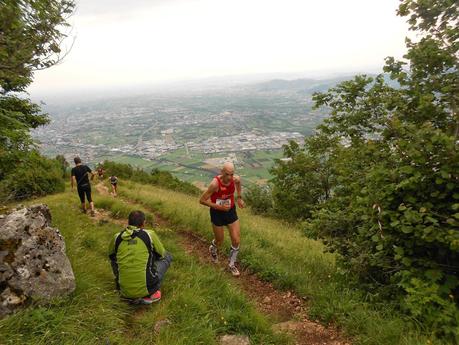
(114, 183)
(80, 177)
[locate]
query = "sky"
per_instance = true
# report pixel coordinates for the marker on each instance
(122, 44)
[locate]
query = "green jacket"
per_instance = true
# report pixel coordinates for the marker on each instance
(132, 254)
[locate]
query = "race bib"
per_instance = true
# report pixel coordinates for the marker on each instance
(223, 202)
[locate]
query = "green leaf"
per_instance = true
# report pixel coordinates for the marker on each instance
(427, 230)
(451, 221)
(429, 219)
(433, 274)
(451, 282)
(444, 174)
(407, 229)
(399, 250)
(406, 169)
(406, 261)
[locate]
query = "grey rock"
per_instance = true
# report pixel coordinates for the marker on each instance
(234, 340)
(160, 324)
(288, 326)
(33, 263)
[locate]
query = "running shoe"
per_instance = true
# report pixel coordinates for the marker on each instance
(213, 254)
(156, 296)
(144, 300)
(234, 271)
(93, 214)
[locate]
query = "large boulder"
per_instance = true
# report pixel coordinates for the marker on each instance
(33, 263)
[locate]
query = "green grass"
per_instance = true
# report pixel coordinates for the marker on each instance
(200, 301)
(250, 175)
(281, 254)
(134, 161)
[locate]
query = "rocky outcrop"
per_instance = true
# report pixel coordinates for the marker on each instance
(33, 263)
(234, 340)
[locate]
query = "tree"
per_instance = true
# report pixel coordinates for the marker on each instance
(308, 169)
(259, 198)
(31, 33)
(392, 211)
(64, 165)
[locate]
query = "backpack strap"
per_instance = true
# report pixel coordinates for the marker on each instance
(118, 241)
(145, 237)
(113, 261)
(152, 275)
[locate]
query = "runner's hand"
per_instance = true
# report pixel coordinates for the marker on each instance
(240, 203)
(225, 208)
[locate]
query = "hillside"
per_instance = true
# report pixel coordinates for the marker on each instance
(302, 86)
(287, 282)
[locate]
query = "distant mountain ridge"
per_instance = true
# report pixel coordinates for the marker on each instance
(304, 85)
(309, 85)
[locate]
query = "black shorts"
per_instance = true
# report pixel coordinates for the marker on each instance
(221, 218)
(86, 189)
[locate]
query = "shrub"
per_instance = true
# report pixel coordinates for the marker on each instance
(259, 198)
(34, 175)
(156, 177)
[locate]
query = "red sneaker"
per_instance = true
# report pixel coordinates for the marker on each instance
(156, 296)
(144, 300)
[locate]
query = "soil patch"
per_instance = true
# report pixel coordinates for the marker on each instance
(288, 309)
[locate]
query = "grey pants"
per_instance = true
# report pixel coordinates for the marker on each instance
(161, 269)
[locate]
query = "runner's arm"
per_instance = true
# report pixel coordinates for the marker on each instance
(89, 171)
(156, 242)
(113, 262)
(205, 197)
(237, 183)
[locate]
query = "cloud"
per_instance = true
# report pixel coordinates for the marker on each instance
(116, 7)
(144, 41)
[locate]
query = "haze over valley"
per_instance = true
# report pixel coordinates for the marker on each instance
(189, 133)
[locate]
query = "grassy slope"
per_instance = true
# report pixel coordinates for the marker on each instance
(200, 302)
(281, 254)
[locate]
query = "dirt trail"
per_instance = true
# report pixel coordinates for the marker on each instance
(285, 307)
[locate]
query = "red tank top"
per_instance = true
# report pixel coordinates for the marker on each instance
(224, 194)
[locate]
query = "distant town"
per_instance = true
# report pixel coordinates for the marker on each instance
(180, 132)
(153, 126)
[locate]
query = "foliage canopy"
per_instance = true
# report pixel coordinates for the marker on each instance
(379, 181)
(31, 33)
